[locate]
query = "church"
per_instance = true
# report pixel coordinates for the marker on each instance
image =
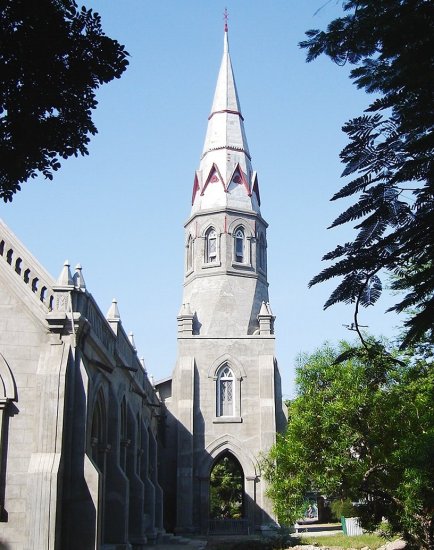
(92, 453)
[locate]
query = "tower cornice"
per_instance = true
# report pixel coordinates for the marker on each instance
(225, 210)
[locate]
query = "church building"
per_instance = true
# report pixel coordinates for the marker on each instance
(224, 398)
(93, 455)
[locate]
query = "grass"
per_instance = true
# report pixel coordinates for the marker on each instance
(343, 541)
(257, 543)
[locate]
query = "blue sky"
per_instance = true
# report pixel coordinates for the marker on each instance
(120, 211)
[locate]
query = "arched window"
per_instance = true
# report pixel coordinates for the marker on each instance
(225, 391)
(139, 444)
(239, 245)
(211, 245)
(98, 432)
(190, 253)
(261, 252)
(124, 442)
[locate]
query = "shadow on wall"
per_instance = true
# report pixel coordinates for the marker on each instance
(4, 546)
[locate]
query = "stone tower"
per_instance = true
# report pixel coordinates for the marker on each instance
(224, 397)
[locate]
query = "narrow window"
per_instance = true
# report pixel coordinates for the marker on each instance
(225, 392)
(139, 445)
(189, 253)
(211, 245)
(262, 252)
(239, 245)
(123, 435)
(98, 432)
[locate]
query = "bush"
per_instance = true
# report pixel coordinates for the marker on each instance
(343, 508)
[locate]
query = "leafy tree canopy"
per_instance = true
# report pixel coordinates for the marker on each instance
(226, 489)
(361, 429)
(390, 156)
(53, 57)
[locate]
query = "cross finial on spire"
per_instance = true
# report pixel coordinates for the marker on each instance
(226, 17)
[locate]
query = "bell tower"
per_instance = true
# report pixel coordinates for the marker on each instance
(224, 398)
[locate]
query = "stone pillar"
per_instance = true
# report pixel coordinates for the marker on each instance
(45, 468)
(185, 395)
(204, 504)
(185, 320)
(250, 496)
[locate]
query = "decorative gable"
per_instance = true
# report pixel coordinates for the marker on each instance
(195, 188)
(238, 178)
(255, 188)
(213, 178)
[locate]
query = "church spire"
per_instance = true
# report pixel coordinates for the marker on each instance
(225, 163)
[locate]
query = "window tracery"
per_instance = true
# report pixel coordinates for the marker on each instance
(239, 245)
(211, 245)
(225, 391)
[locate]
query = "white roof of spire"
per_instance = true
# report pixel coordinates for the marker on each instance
(225, 126)
(226, 95)
(225, 148)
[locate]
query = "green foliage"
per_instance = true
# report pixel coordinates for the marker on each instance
(226, 489)
(53, 57)
(361, 429)
(343, 541)
(343, 507)
(390, 156)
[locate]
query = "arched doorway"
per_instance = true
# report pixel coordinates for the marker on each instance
(227, 496)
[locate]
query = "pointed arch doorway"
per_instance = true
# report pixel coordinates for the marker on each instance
(227, 500)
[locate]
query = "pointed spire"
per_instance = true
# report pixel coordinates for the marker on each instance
(185, 310)
(185, 319)
(65, 277)
(266, 319)
(78, 278)
(264, 310)
(131, 339)
(225, 148)
(226, 95)
(113, 312)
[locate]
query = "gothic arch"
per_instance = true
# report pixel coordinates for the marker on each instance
(261, 252)
(234, 364)
(210, 225)
(211, 247)
(241, 223)
(223, 444)
(8, 388)
(8, 393)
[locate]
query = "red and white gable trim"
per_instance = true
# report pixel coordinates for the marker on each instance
(239, 177)
(255, 187)
(214, 176)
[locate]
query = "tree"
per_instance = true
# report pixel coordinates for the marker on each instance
(390, 156)
(362, 429)
(53, 58)
(226, 489)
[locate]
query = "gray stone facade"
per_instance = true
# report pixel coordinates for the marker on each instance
(224, 397)
(79, 417)
(87, 443)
